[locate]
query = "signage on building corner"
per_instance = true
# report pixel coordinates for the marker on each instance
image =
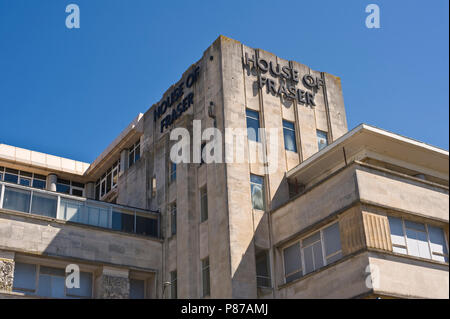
(289, 78)
(174, 97)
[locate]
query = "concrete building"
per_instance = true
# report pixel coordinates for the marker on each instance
(310, 209)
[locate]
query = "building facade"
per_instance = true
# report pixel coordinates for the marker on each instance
(297, 206)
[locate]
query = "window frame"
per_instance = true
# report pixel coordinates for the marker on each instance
(37, 274)
(173, 283)
(256, 118)
(427, 233)
(134, 153)
(172, 172)
(293, 131)
(263, 190)
(31, 177)
(319, 137)
(208, 269)
(299, 241)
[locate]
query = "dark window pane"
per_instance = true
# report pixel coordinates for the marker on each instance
(63, 188)
(146, 226)
(41, 177)
(10, 178)
(289, 136)
(63, 181)
(137, 289)
(80, 185)
(12, 171)
(37, 183)
(123, 222)
(252, 125)
(77, 192)
(26, 174)
(25, 181)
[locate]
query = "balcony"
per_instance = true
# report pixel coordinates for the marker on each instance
(79, 210)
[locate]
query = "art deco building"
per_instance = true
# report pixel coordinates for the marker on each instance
(328, 213)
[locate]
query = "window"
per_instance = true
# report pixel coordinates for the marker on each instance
(173, 218)
(205, 277)
(137, 289)
(108, 181)
(312, 253)
(292, 262)
(417, 239)
(134, 153)
(322, 139)
(69, 187)
(153, 186)
(290, 143)
(173, 172)
(263, 270)
(23, 178)
(49, 282)
(173, 284)
(203, 204)
(252, 125)
(257, 190)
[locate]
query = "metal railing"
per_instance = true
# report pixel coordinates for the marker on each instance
(79, 210)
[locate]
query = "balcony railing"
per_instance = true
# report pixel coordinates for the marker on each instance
(79, 210)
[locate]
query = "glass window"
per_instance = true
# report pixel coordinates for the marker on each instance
(146, 226)
(332, 243)
(173, 172)
(173, 218)
(51, 282)
(322, 139)
(312, 253)
(252, 125)
(263, 278)
(63, 186)
(290, 143)
(44, 205)
(85, 289)
(173, 284)
(397, 235)
(203, 204)
(418, 239)
(16, 199)
(205, 277)
(11, 178)
(37, 183)
(137, 289)
(24, 181)
(24, 277)
(292, 262)
(438, 244)
(123, 222)
(134, 153)
(257, 190)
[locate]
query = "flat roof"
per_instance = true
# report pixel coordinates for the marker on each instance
(376, 140)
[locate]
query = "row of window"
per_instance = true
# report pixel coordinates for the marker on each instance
(290, 141)
(324, 247)
(43, 281)
(108, 181)
(22, 178)
(417, 239)
(94, 214)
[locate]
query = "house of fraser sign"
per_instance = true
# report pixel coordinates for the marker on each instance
(286, 88)
(289, 78)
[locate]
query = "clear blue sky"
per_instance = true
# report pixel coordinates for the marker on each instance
(71, 92)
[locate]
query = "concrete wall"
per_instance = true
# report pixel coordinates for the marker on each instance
(49, 238)
(403, 194)
(407, 278)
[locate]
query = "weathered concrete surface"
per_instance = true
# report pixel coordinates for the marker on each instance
(35, 236)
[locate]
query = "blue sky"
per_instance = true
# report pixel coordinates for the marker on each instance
(71, 92)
